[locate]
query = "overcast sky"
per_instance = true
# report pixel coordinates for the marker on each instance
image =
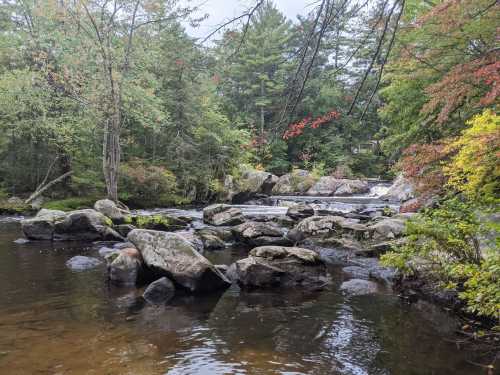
(221, 10)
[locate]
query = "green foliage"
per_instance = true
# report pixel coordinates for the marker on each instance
(445, 244)
(145, 185)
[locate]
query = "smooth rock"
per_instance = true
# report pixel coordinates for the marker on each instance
(159, 291)
(257, 233)
(110, 209)
(124, 266)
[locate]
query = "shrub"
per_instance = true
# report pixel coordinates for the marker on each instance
(143, 185)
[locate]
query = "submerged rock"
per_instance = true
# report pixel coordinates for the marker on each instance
(159, 291)
(222, 214)
(270, 266)
(358, 287)
(356, 272)
(176, 258)
(81, 263)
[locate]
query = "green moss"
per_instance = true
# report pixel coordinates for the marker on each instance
(70, 204)
(7, 208)
(158, 222)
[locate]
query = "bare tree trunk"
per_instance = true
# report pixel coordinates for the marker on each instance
(111, 152)
(42, 189)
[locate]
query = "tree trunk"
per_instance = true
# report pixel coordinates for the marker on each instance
(111, 151)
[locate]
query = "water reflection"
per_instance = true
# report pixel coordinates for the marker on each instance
(55, 321)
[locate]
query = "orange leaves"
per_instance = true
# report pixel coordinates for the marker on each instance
(296, 129)
(476, 82)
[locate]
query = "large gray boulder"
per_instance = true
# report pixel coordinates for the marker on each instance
(260, 233)
(41, 227)
(271, 266)
(110, 209)
(401, 190)
(329, 185)
(330, 226)
(222, 214)
(296, 182)
(253, 182)
(172, 255)
(81, 225)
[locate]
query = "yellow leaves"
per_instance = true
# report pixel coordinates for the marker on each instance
(475, 168)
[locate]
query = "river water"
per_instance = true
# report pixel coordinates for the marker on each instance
(57, 321)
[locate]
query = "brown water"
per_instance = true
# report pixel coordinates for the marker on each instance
(56, 321)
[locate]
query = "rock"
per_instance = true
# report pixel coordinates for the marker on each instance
(21, 241)
(15, 201)
(193, 239)
(253, 183)
(110, 209)
(258, 234)
(159, 291)
(162, 222)
(296, 182)
(212, 242)
(123, 245)
(300, 211)
(223, 233)
(124, 229)
(356, 272)
(401, 190)
(330, 226)
(105, 251)
(222, 214)
(176, 258)
(124, 266)
(387, 229)
(357, 287)
(222, 268)
(84, 225)
(41, 227)
(81, 263)
(351, 187)
(37, 203)
(269, 266)
(329, 185)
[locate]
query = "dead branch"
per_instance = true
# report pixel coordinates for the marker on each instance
(41, 190)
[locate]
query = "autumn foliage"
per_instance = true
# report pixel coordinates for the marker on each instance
(296, 129)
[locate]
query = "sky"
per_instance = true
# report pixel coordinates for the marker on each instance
(223, 10)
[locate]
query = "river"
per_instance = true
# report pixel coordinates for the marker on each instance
(57, 321)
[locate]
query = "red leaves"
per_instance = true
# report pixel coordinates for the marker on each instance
(296, 129)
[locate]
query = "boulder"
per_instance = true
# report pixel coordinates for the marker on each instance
(387, 229)
(84, 225)
(41, 227)
(253, 183)
(163, 222)
(328, 185)
(159, 291)
(222, 214)
(401, 190)
(330, 226)
(15, 201)
(124, 266)
(110, 209)
(124, 229)
(258, 234)
(300, 211)
(270, 266)
(82, 263)
(193, 239)
(212, 242)
(296, 182)
(173, 256)
(358, 287)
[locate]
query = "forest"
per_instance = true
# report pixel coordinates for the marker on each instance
(118, 99)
